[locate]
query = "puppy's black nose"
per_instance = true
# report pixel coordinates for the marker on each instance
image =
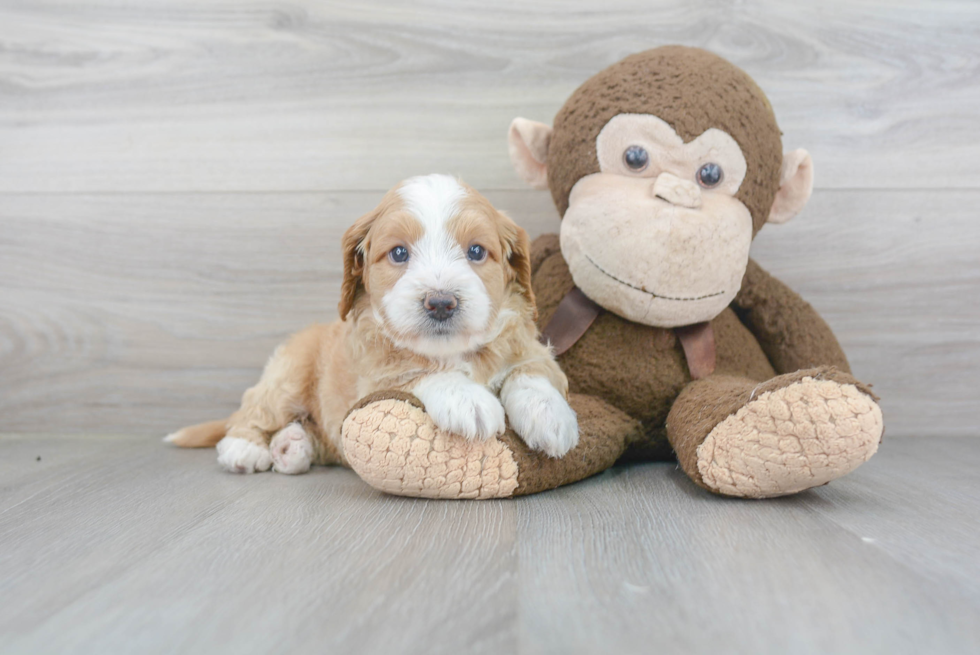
(440, 305)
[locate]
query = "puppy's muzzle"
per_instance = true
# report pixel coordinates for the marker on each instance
(440, 305)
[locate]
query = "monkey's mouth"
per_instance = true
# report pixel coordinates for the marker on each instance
(645, 290)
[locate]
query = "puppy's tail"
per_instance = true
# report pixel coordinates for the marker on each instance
(202, 435)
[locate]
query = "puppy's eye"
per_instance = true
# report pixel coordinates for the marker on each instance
(636, 158)
(476, 253)
(710, 175)
(398, 254)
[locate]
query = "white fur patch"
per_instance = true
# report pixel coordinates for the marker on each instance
(437, 263)
(433, 199)
(457, 404)
(292, 450)
(241, 456)
(540, 415)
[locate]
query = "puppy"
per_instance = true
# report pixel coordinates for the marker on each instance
(436, 301)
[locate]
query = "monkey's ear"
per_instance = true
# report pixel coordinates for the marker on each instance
(354, 251)
(795, 186)
(527, 142)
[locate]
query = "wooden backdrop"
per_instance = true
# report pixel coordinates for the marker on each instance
(175, 176)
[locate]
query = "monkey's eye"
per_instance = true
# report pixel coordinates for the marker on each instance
(710, 175)
(476, 253)
(636, 158)
(398, 254)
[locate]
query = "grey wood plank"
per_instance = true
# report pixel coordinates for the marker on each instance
(69, 533)
(918, 501)
(639, 560)
(181, 95)
(155, 550)
(35, 465)
(123, 313)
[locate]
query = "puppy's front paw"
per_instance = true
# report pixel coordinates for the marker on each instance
(292, 450)
(242, 456)
(463, 408)
(540, 415)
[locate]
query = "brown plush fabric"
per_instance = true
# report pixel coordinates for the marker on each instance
(692, 90)
(637, 368)
(790, 331)
(542, 248)
(604, 434)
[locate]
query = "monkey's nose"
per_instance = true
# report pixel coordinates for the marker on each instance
(677, 191)
(440, 305)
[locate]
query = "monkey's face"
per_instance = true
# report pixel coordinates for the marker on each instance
(657, 235)
(663, 167)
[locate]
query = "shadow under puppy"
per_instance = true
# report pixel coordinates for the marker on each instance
(437, 302)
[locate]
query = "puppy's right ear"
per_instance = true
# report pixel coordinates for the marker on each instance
(528, 142)
(354, 249)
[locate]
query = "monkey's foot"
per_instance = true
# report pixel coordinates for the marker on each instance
(394, 446)
(791, 438)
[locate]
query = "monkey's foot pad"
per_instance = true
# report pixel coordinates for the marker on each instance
(790, 439)
(394, 446)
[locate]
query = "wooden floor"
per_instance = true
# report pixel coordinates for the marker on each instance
(115, 544)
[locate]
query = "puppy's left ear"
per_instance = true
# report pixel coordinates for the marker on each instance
(353, 246)
(517, 252)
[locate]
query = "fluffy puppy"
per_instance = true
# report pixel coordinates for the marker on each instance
(436, 300)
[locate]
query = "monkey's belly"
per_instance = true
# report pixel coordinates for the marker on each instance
(641, 369)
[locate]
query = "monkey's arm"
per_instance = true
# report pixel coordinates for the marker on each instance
(789, 330)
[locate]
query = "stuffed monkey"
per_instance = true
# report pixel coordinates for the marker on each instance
(663, 167)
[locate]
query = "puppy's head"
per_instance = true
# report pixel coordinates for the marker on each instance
(437, 263)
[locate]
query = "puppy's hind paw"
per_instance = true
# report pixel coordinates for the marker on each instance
(292, 450)
(239, 455)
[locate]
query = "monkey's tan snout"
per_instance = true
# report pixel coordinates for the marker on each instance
(677, 191)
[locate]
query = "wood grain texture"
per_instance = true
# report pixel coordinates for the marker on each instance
(121, 544)
(125, 554)
(210, 95)
(143, 313)
(656, 565)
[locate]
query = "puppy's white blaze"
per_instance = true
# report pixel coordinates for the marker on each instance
(437, 263)
(433, 199)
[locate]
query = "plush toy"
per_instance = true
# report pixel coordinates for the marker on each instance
(663, 167)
